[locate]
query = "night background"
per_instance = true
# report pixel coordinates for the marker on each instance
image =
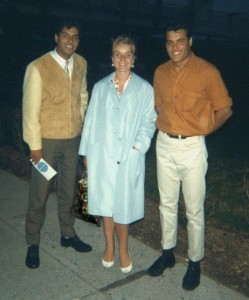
(220, 35)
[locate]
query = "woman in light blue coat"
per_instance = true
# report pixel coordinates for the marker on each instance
(118, 128)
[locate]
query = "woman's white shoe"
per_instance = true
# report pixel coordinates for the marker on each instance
(107, 264)
(127, 269)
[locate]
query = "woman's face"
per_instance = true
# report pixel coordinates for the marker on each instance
(122, 58)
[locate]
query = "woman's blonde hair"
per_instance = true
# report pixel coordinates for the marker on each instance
(124, 39)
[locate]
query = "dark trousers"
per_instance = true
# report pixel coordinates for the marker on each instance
(62, 155)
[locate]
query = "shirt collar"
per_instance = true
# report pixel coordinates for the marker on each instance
(60, 59)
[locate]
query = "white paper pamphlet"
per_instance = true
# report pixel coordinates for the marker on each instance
(45, 169)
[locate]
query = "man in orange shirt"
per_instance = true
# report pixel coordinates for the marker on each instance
(191, 101)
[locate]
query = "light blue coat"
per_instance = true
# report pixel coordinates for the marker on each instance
(113, 126)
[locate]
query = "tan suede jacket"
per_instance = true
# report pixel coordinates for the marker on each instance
(53, 104)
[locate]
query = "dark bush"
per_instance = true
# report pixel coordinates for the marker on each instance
(11, 129)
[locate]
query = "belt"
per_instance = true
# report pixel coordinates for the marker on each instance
(177, 136)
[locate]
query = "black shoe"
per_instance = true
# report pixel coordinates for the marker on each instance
(162, 263)
(32, 259)
(75, 243)
(192, 277)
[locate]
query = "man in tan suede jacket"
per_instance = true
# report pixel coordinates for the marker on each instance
(54, 103)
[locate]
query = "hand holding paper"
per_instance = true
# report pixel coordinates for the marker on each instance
(45, 169)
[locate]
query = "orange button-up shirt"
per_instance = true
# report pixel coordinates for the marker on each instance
(186, 101)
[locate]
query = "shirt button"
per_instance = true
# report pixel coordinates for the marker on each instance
(118, 162)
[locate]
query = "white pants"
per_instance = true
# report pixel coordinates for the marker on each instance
(182, 161)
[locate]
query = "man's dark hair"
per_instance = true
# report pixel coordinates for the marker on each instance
(68, 24)
(179, 26)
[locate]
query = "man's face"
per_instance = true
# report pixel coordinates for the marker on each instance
(67, 42)
(178, 47)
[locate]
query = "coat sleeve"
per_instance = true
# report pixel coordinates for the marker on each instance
(88, 123)
(147, 127)
(32, 95)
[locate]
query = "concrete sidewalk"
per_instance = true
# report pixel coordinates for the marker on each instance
(67, 275)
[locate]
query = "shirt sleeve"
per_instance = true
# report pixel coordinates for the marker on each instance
(217, 91)
(32, 95)
(156, 85)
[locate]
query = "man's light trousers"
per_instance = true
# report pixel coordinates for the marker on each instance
(182, 161)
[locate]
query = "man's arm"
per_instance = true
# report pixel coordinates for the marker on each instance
(220, 100)
(221, 116)
(31, 112)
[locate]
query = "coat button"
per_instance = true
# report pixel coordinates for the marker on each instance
(118, 162)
